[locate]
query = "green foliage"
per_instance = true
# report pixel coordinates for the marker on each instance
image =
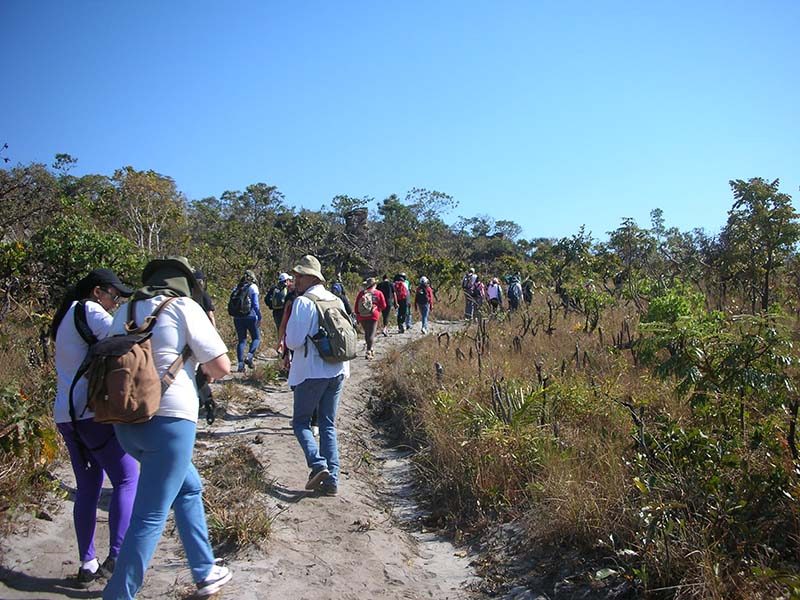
(66, 249)
(24, 429)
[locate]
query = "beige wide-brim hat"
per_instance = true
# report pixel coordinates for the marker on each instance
(309, 265)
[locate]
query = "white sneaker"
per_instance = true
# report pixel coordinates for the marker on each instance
(315, 431)
(216, 578)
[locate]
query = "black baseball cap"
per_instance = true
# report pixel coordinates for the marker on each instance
(108, 277)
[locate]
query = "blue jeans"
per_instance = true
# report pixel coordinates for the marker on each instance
(163, 446)
(324, 395)
(424, 311)
(245, 325)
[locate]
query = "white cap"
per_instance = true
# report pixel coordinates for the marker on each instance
(284, 277)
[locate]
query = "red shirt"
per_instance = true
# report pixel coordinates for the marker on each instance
(378, 304)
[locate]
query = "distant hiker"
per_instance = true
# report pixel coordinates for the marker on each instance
(527, 290)
(423, 301)
(204, 392)
(83, 318)
(409, 320)
(370, 303)
(163, 446)
(243, 307)
(494, 293)
(315, 382)
(401, 296)
(468, 289)
(205, 300)
(514, 292)
(337, 288)
(387, 289)
(276, 298)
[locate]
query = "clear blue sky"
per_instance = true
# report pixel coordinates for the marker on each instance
(552, 114)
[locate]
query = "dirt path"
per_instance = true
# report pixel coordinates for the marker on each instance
(357, 545)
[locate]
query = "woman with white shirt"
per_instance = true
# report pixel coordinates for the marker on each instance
(163, 445)
(84, 317)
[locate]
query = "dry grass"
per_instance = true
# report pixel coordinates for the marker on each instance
(234, 496)
(547, 427)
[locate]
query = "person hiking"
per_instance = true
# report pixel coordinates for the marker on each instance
(494, 293)
(478, 295)
(163, 445)
(204, 391)
(205, 301)
(247, 322)
(337, 288)
(315, 382)
(401, 296)
(514, 292)
(82, 318)
(385, 287)
(276, 298)
(527, 290)
(423, 301)
(468, 288)
(370, 303)
(409, 320)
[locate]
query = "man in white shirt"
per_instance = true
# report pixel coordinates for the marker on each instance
(316, 383)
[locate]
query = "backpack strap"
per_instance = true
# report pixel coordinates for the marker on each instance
(315, 300)
(82, 325)
(88, 336)
(147, 325)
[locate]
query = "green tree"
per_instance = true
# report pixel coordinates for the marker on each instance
(760, 234)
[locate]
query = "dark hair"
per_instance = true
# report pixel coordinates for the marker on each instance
(79, 291)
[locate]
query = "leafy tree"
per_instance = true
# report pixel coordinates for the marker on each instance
(150, 206)
(761, 231)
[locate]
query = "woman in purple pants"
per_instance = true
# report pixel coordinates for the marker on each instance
(82, 318)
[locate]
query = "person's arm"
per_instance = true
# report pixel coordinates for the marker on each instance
(211, 318)
(287, 311)
(217, 368)
(256, 307)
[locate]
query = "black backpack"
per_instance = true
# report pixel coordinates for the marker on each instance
(277, 299)
(240, 304)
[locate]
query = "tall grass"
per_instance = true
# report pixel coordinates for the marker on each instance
(536, 418)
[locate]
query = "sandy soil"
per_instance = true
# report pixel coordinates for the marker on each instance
(364, 543)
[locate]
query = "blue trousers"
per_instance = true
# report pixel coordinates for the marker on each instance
(245, 325)
(163, 446)
(324, 395)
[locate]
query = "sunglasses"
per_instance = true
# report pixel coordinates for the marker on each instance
(114, 297)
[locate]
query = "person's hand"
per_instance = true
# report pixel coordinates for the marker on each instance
(279, 348)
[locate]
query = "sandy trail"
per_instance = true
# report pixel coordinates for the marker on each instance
(360, 544)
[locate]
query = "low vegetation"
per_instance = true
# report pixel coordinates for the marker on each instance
(641, 411)
(663, 446)
(234, 496)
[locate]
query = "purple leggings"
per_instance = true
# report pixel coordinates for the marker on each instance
(122, 470)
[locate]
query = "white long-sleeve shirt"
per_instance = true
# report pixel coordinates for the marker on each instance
(304, 322)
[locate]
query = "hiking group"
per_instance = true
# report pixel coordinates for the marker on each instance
(480, 296)
(128, 386)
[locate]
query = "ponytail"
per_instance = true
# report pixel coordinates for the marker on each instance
(79, 291)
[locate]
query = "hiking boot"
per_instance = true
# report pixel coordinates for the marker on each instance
(401, 329)
(385, 333)
(328, 489)
(107, 568)
(216, 578)
(249, 361)
(241, 368)
(317, 477)
(85, 578)
(315, 431)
